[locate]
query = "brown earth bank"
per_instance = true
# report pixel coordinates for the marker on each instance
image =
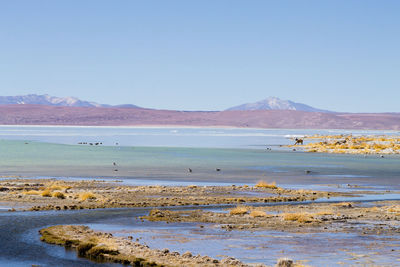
(101, 246)
(51, 194)
(105, 247)
(50, 115)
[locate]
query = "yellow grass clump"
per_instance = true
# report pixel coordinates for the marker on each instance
(55, 187)
(31, 192)
(354, 144)
(343, 205)
(394, 209)
(58, 186)
(258, 213)
(372, 209)
(298, 217)
(59, 195)
(239, 210)
(325, 212)
(263, 184)
(46, 193)
(87, 195)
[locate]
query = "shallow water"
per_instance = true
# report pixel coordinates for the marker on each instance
(328, 249)
(20, 244)
(162, 156)
(166, 136)
(171, 164)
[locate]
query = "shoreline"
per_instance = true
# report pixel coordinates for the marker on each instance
(102, 246)
(259, 207)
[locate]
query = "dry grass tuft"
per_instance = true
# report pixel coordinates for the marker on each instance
(258, 213)
(59, 195)
(31, 192)
(46, 193)
(239, 210)
(394, 209)
(372, 209)
(298, 217)
(325, 212)
(263, 184)
(343, 205)
(55, 187)
(87, 196)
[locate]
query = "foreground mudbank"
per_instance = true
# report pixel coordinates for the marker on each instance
(105, 247)
(348, 144)
(48, 194)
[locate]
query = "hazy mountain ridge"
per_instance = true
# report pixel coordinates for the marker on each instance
(33, 99)
(113, 116)
(275, 103)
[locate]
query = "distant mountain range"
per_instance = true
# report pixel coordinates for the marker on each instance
(48, 100)
(269, 113)
(270, 103)
(113, 116)
(274, 103)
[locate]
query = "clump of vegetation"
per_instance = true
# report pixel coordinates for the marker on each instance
(263, 184)
(258, 213)
(395, 209)
(325, 212)
(46, 193)
(343, 205)
(239, 210)
(298, 217)
(31, 192)
(59, 195)
(372, 209)
(55, 187)
(371, 144)
(87, 196)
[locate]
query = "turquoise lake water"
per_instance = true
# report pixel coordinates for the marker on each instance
(163, 156)
(241, 155)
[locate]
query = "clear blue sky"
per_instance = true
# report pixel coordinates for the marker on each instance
(204, 55)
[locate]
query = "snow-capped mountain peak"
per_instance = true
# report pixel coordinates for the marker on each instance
(49, 101)
(275, 103)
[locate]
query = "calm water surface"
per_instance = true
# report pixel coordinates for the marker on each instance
(162, 156)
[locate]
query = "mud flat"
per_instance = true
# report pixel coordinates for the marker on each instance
(102, 246)
(376, 218)
(349, 144)
(51, 194)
